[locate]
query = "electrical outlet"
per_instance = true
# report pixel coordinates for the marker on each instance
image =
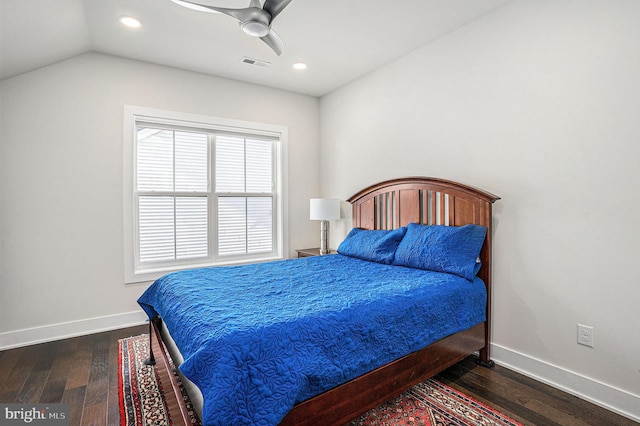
(585, 335)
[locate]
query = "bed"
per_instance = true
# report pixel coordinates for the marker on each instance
(321, 340)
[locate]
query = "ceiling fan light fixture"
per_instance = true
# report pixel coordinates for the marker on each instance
(255, 28)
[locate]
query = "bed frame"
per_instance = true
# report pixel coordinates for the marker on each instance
(389, 205)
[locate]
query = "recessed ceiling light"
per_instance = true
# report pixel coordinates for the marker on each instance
(300, 66)
(130, 22)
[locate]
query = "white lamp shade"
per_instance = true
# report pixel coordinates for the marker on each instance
(324, 209)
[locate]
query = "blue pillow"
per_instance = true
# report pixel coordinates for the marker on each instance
(372, 245)
(451, 249)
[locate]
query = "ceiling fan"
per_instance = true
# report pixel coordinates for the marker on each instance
(255, 20)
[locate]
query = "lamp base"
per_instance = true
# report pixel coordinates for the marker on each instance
(324, 237)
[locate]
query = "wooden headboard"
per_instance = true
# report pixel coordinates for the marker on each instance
(428, 201)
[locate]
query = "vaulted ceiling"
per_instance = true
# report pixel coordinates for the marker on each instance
(339, 40)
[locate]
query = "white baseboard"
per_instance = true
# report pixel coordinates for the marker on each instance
(48, 333)
(602, 394)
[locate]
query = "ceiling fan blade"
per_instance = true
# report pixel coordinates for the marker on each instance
(240, 14)
(274, 7)
(195, 6)
(274, 41)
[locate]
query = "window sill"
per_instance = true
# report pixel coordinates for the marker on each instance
(152, 274)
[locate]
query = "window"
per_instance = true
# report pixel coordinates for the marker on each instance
(200, 191)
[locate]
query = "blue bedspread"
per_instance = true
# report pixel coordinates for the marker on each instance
(258, 338)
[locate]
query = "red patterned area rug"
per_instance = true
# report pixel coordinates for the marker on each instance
(431, 403)
(142, 398)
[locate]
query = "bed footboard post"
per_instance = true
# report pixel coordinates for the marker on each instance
(151, 360)
(484, 360)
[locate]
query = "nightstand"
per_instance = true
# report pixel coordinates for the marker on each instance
(308, 252)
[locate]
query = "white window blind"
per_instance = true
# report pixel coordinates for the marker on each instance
(245, 193)
(202, 192)
(173, 202)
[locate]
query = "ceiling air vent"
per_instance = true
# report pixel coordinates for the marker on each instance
(256, 62)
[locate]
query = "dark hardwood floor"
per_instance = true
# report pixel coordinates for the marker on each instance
(82, 372)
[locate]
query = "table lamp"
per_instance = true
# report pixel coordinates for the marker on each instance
(324, 210)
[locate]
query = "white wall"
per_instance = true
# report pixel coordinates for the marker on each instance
(61, 172)
(538, 103)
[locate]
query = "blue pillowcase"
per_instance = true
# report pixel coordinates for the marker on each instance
(451, 249)
(372, 245)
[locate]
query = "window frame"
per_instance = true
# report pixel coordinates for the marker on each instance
(134, 116)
